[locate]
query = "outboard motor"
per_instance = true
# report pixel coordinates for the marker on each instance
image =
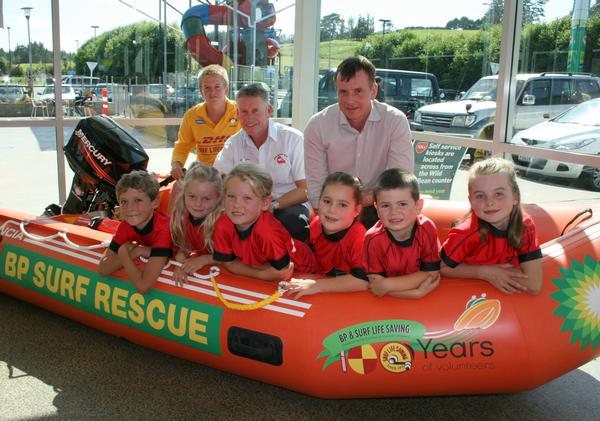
(99, 152)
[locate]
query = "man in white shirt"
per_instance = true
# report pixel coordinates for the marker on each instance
(358, 135)
(278, 148)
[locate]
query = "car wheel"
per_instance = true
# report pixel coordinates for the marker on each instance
(591, 178)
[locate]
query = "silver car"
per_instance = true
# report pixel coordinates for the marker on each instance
(576, 130)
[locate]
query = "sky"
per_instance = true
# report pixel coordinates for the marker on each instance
(78, 17)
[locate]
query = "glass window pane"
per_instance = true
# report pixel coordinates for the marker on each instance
(556, 110)
(21, 150)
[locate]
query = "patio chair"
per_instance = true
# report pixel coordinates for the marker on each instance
(42, 105)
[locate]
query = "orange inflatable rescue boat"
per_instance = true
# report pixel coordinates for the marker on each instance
(464, 338)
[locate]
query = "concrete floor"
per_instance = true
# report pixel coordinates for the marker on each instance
(55, 368)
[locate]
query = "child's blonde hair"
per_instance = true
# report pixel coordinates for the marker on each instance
(493, 166)
(138, 180)
(256, 176)
(204, 174)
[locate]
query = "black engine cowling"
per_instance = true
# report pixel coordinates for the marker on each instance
(99, 152)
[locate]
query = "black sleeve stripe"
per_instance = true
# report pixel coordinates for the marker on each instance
(430, 266)
(223, 257)
(336, 272)
(532, 255)
(378, 273)
(114, 246)
(447, 260)
(359, 273)
(281, 263)
(160, 252)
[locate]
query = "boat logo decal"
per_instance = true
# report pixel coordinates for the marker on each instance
(168, 316)
(353, 345)
(9, 232)
(396, 357)
(578, 298)
(362, 359)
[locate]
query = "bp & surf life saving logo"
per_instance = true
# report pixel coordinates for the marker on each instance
(353, 345)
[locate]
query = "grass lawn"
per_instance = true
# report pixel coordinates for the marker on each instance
(340, 49)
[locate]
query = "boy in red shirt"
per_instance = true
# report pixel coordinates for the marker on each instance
(143, 231)
(401, 251)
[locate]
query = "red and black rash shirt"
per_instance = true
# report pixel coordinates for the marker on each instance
(340, 253)
(386, 256)
(266, 241)
(464, 245)
(194, 234)
(155, 234)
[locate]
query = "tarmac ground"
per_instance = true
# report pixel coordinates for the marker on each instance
(55, 368)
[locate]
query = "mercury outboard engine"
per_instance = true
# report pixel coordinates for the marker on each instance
(99, 152)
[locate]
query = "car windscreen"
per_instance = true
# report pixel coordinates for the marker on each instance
(11, 90)
(483, 90)
(586, 113)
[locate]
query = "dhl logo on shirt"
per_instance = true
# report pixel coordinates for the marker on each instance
(213, 139)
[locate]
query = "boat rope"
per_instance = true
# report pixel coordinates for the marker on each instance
(63, 234)
(244, 307)
(214, 271)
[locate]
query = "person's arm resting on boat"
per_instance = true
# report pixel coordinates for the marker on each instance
(414, 285)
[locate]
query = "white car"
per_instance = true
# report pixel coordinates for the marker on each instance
(68, 93)
(576, 130)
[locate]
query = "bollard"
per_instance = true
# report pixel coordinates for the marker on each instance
(104, 101)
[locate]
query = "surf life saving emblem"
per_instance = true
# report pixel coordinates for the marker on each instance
(396, 357)
(353, 345)
(578, 298)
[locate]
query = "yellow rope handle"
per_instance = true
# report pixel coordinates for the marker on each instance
(244, 307)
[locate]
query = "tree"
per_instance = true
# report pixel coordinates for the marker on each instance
(463, 23)
(595, 8)
(132, 49)
(331, 26)
(533, 11)
(364, 27)
(350, 26)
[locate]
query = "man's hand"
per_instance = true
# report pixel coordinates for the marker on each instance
(177, 170)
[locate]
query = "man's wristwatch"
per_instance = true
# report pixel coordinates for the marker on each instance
(275, 205)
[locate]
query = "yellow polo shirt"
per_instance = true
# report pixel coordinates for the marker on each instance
(197, 130)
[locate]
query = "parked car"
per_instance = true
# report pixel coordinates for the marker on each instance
(68, 93)
(403, 89)
(576, 130)
(540, 96)
(160, 91)
(185, 96)
(80, 83)
(11, 93)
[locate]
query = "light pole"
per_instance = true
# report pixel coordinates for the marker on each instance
(384, 22)
(9, 53)
(27, 12)
(94, 27)
(77, 44)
